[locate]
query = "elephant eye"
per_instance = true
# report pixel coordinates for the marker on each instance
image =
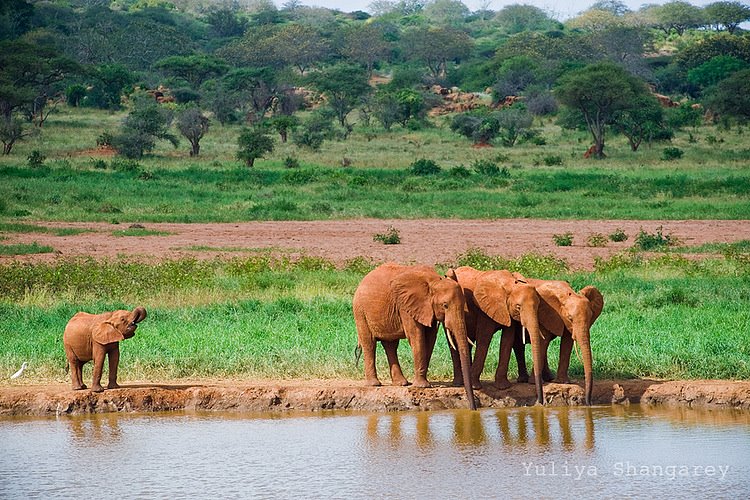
(445, 306)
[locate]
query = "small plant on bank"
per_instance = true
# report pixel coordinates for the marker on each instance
(563, 240)
(390, 237)
(424, 166)
(618, 236)
(657, 241)
(596, 240)
(671, 153)
(291, 162)
(35, 159)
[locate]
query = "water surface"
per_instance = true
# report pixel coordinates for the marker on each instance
(639, 452)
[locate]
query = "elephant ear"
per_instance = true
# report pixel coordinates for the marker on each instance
(451, 273)
(412, 289)
(595, 299)
(491, 298)
(106, 333)
(550, 310)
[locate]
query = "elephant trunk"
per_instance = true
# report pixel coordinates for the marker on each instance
(584, 341)
(139, 314)
(530, 320)
(464, 353)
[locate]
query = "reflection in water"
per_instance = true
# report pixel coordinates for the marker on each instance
(541, 452)
(515, 429)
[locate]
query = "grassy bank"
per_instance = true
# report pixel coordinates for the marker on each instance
(665, 317)
(551, 180)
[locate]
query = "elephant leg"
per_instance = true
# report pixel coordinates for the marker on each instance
(506, 344)
(368, 343)
(519, 350)
(114, 360)
(76, 370)
(391, 352)
(566, 346)
(484, 332)
(418, 340)
(99, 355)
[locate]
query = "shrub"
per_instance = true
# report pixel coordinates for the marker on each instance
(618, 235)
(291, 162)
(671, 153)
(486, 167)
(35, 159)
(390, 237)
(596, 240)
(104, 139)
(460, 172)
(253, 144)
(424, 166)
(563, 240)
(647, 241)
(552, 160)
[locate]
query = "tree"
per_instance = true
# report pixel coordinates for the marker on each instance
(511, 123)
(714, 70)
(253, 144)
(676, 15)
(225, 22)
(195, 69)
(595, 20)
(514, 75)
(446, 12)
(283, 124)
(520, 17)
(343, 85)
(435, 46)
(316, 129)
(15, 18)
(10, 132)
(145, 124)
(642, 120)
(727, 14)
(731, 96)
(193, 125)
(299, 45)
(479, 126)
(109, 83)
(366, 44)
(599, 91)
(615, 7)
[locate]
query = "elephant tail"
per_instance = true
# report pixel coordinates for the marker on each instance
(357, 355)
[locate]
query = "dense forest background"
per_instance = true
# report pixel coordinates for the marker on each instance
(642, 73)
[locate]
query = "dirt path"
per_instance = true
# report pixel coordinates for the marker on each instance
(428, 241)
(317, 395)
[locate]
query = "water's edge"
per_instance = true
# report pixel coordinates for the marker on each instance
(285, 396)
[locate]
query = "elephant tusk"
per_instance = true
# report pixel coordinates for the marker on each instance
(523, 334)
(471, 342)
(578, 352)
(450, 340)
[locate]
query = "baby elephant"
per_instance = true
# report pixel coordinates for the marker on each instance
(94, 336)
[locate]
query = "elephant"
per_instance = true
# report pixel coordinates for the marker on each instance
(94, 336)
(497, 300)
(393, 302)
(568, 315)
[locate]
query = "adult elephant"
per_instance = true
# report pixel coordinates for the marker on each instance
(96, 336)
(497, 300)
(394, 302)
(567, 314)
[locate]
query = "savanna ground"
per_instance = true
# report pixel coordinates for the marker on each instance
(248, 274)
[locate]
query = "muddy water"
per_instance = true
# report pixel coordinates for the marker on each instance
(525, 452)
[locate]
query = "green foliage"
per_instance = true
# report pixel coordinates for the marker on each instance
(489, 168)
(423, 166)
(253, 144)
(110, 82)
(596, 240)
(563, 240)
(714, 70)
(480, 127)
(731, 96)
(145, 124)
(314, 131)
(654, 241)
(618, 236)
(343, 85)
(193, 125)
(35, 159)
(671, 153)
(25, 249)
(390, 237)
(74, 94)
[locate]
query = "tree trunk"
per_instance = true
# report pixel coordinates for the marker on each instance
(196, 148)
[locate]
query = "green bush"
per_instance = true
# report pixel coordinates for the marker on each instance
(671, 153)
(618, 235)
(657, 241)
(424, 166)
(563, 240)
(35, 159)
(390, 237)
(596, 240)
(253, 144)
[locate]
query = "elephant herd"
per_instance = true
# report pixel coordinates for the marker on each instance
(394, 302)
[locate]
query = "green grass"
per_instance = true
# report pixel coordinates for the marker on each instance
(139, 232)
(709, 181)
(25, 249)
(16, 227)
(664, 317)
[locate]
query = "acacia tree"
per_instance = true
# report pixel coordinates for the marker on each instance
(365, 44)
(436, 46)
(299, 45)
(193, 125)
(343, 85)
(727, 14)
(643, 120)
(600, 91)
